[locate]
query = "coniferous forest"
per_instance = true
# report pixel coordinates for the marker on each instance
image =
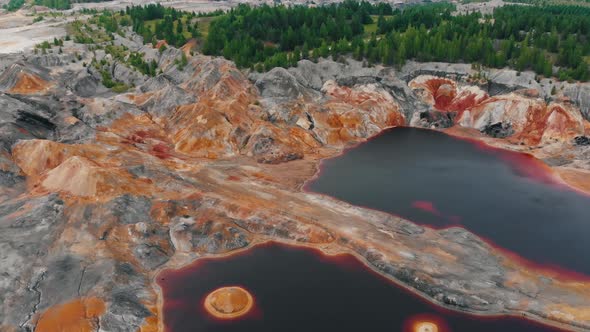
(551, 40)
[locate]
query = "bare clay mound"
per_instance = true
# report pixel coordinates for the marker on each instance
(229, 302)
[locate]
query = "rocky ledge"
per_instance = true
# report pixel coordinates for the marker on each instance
(99, 191)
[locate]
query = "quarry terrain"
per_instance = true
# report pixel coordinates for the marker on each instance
(101, 190)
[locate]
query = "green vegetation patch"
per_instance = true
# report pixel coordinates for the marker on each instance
(539, 38)
(14, 5)
(155, 22)
(55, 4)
(280, 36)
(84, 33)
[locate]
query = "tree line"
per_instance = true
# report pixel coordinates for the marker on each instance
(539, 38)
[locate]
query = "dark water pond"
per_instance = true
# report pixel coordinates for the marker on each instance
(301, 290)
(435, 179)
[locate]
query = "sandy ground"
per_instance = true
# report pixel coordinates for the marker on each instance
(20, 39)
(13, 20)
(18, 33)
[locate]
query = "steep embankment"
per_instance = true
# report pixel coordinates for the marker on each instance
(555, 131)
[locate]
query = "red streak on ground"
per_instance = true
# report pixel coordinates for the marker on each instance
(161, 151)
(135, 139)
(22, 130)
(442, 102)
(443, 97)
(142, 133)
(447, 98)
(462, 103)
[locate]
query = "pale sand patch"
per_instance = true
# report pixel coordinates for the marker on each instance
(22, 38)
(577, 178)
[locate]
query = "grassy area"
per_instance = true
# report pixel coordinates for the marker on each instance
(83, 33)
(151, 24)
(120, 88)
(370, 28)
(185, 32)
(118, 52)
(204, 23)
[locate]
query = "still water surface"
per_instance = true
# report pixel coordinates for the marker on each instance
(434, 179)
(302, 290)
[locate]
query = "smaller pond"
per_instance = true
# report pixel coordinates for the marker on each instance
(438, 180)
(299, 289)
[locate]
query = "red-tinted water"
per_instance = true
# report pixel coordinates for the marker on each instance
(300, 289)
(508, 198)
